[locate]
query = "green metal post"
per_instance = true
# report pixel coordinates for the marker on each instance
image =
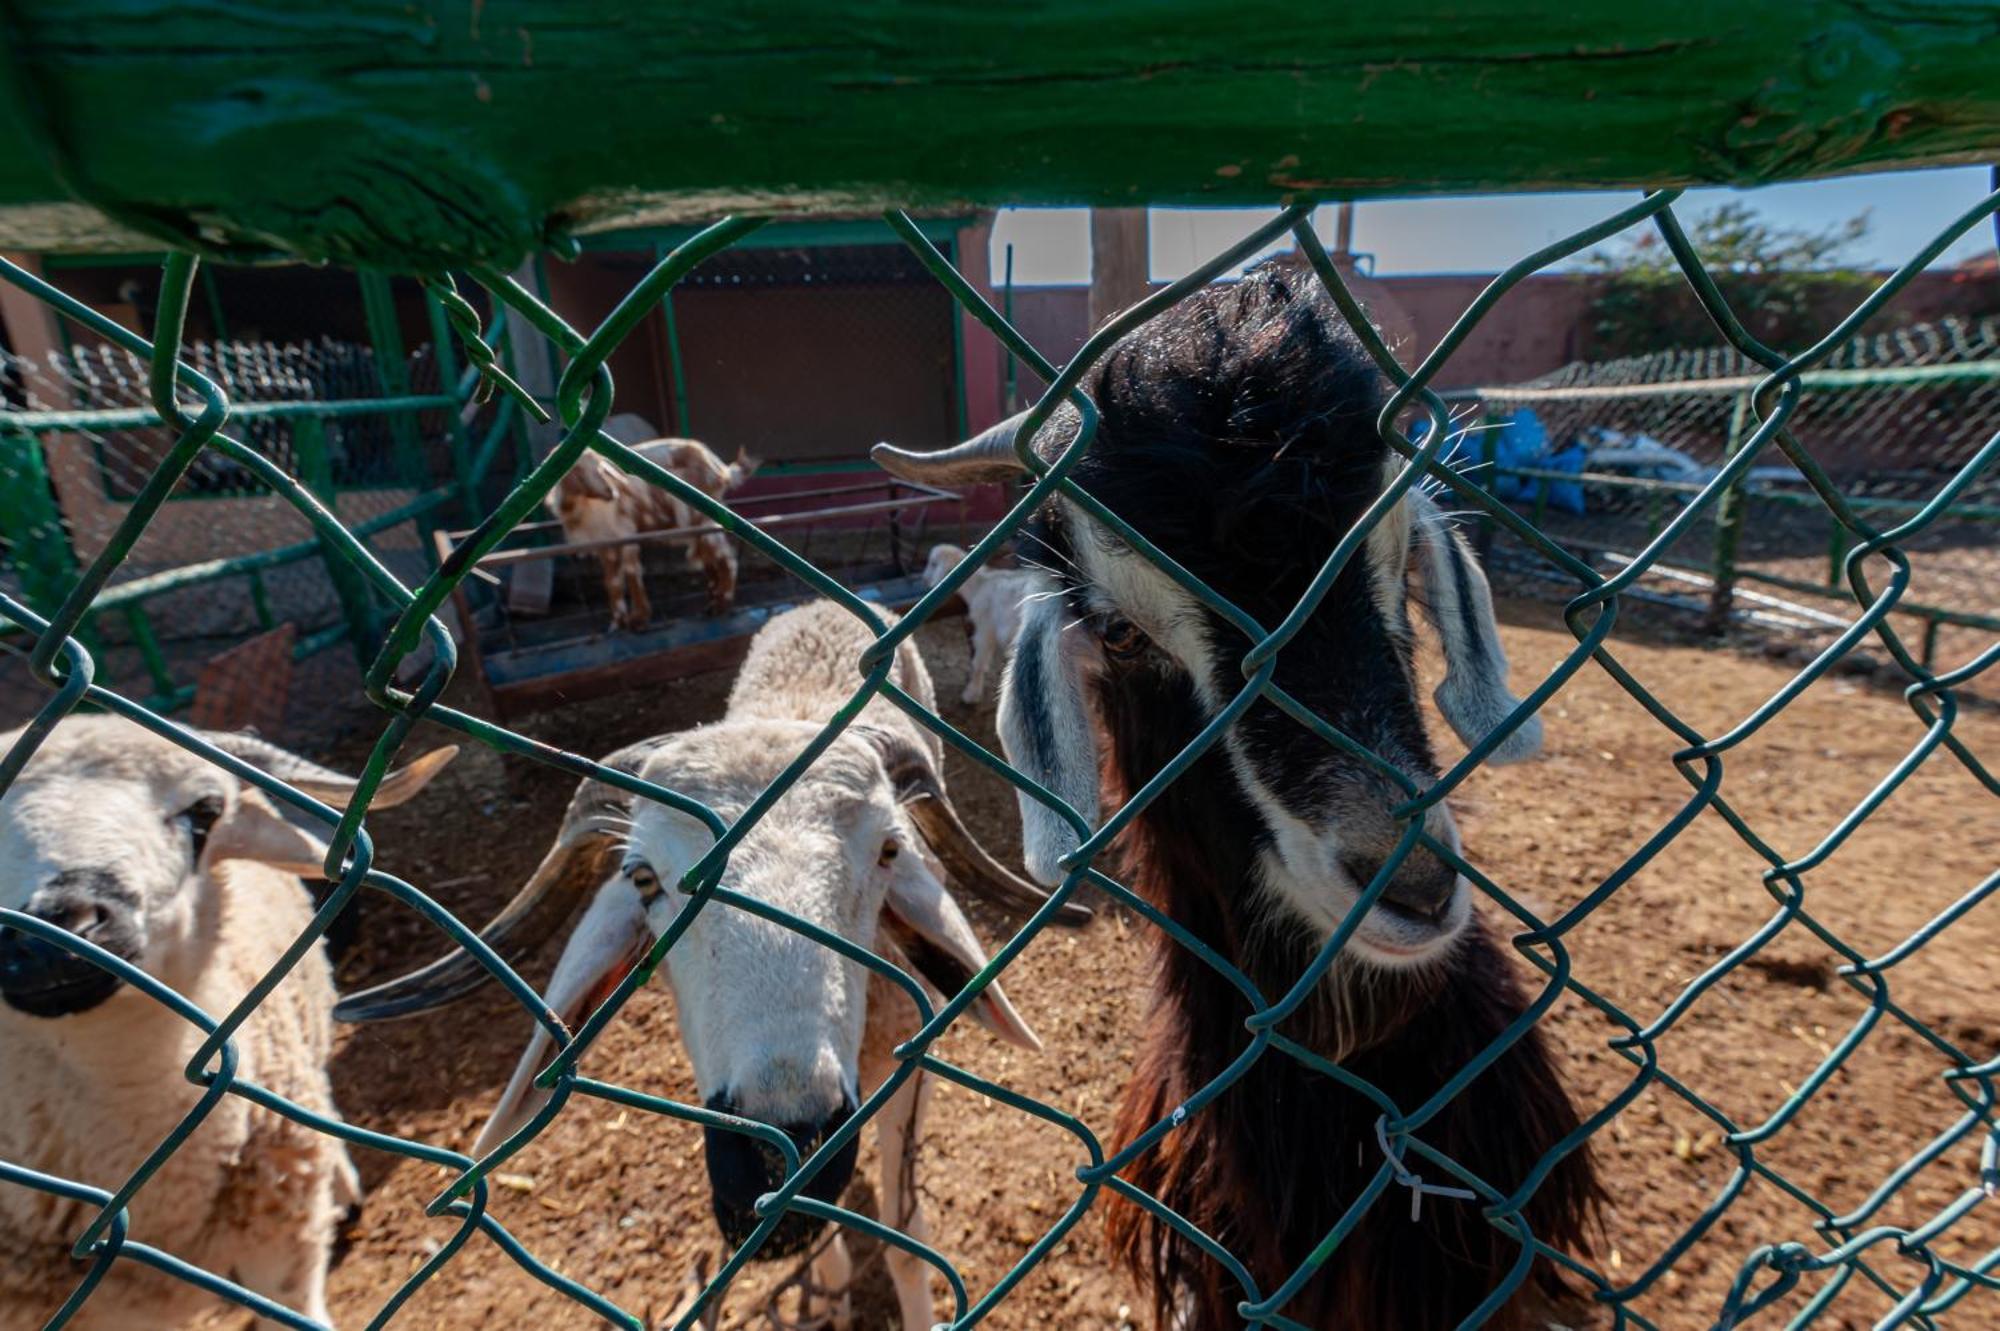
(260, 600)
(447, 368)
(950, 250)
(1007, 309)
(357, 603)
(681, 426)
(1728, 523)
(392, 371)
(1836, 551)
(148, 644)
(31, 524)
(217, 322)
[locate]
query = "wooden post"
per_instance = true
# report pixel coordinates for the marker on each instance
(1119, 265)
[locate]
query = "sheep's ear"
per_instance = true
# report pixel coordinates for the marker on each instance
(925, 924)
(607, 944)
(253, 829)
(1474, 696)
(1046, 729)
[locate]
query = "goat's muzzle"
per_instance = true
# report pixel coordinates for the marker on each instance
(742, 1168)
(43, 979)
(1421, 889)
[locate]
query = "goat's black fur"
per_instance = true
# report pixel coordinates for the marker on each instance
(1238, 433)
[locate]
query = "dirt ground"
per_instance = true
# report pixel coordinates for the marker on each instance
(617, 1199)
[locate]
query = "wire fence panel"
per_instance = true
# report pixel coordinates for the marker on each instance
(226, 556)
(1876, 1256)
(1601, 456)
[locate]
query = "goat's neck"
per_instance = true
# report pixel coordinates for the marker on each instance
(1272, 1166)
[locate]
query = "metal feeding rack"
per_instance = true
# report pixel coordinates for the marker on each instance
(562, 649)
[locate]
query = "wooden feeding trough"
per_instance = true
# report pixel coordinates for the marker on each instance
(866, 534)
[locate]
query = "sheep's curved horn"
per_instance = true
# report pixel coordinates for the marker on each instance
(323, 783)
(965, 861)
(987, 456)
(584, 855)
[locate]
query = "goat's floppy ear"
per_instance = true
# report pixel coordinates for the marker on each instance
(1473, 696)
(253, 829)
(925, 924)
(1046, 729)
(608, 942)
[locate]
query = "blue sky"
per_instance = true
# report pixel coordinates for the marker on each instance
(1482, 235)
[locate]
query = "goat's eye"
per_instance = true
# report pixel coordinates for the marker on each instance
(643, 878)
(1121, 638)
(199, 817)
(890, 850)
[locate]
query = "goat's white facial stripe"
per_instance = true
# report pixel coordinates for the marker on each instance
(1388, 555)
(1307, 871)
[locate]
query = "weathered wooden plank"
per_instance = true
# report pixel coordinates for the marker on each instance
(411, 133)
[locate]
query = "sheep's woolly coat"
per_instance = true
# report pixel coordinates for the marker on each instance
(251, 1195)
(805, 665)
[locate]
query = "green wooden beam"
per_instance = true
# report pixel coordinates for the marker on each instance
(803, 234)
(412, 134)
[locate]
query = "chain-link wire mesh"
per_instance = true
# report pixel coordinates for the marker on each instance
(225, 557)
(1852, 1251)
(1600, 456)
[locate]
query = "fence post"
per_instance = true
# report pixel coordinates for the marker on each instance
(461, 438)
(357, 603)
(392, 372)
(1728, 523)
(30, 522)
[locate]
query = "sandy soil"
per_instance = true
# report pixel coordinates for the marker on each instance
(617, 1199)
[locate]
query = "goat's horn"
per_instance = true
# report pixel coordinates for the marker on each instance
(582, 858)
(565, 878)
(965, 861)
(323, 783)
(987, 456)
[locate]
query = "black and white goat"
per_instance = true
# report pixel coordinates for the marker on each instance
(778, 1027)
(1238, 433)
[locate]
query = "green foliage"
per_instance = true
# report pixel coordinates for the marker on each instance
(1787, 284)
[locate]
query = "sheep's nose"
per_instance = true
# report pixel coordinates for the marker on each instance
(742, 1168)
(1423, 885)
(42, 979)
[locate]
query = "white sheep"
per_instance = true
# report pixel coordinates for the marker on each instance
(993, 598)
(779, 1028)
(172, 864)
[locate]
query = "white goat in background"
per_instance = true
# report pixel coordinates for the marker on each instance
(172, 864)
(778, 1028)
(993, 598)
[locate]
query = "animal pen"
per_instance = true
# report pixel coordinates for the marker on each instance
(466, 142)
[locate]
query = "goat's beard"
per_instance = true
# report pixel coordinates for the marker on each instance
(1272, 1165)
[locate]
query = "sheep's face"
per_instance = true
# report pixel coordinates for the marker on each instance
(106, 833)
(772, 1019)
(112, 833)
(943, 559)
(1241, 439)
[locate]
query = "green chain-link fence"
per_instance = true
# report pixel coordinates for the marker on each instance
(227, 557)
(1890, 416)
(1853, 1247)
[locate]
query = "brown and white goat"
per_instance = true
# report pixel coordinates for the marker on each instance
(1238, 433)
(595, 501)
